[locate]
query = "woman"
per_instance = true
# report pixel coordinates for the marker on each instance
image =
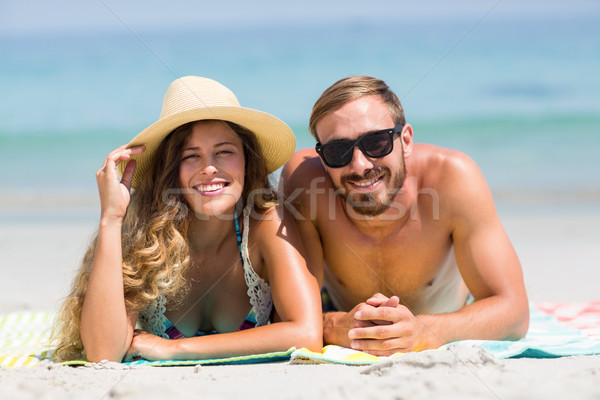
(197, 248)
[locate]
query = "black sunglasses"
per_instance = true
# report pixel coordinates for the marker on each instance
(377, 144)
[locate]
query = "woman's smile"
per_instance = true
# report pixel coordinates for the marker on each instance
(212, 188)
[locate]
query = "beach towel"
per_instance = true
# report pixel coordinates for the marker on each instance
(248, 359)
(556, 330)
(25, 336)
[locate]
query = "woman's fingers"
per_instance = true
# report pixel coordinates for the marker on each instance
(128, 174)
(130, 167)
(114, 195)
(122, 153)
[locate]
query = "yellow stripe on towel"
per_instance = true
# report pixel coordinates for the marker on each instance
(332, 354)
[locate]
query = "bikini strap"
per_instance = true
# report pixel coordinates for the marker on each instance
(258, 290)
(238, 235)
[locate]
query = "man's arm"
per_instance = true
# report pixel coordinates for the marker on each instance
(488, 265)
(487, 261)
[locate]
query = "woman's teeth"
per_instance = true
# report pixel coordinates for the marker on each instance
(210, 188)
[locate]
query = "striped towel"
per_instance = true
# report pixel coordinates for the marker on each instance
(24, 338)
(248, 359)
(555, 330)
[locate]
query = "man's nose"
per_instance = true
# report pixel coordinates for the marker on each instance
(360, 162)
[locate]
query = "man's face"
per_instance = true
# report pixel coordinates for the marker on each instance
(369, 185)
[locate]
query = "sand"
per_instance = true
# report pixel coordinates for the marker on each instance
(558, 247)
(458, 373)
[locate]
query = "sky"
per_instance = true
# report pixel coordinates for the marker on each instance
(43, 16)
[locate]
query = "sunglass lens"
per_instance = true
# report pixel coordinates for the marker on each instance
(338, 154)
(378, 144)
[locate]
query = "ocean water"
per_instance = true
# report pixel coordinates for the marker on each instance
(520, 96)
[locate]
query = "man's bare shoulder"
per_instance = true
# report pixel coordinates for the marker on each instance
(456, 178)
(437, 165)
(304, 166)
(437, 155)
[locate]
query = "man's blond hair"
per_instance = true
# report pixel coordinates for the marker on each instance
(352, 88)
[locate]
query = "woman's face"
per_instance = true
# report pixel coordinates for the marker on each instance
(212, 169)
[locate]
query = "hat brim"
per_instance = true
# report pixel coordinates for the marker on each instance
(275, 138)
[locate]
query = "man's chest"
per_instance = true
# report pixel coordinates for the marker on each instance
(403, 264)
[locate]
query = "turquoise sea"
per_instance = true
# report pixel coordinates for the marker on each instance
(519, 95)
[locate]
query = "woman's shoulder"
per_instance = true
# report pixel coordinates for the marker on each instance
(263, 237)
(263, 221)
(273, 229)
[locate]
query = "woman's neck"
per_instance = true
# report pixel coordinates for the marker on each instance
(209, 233)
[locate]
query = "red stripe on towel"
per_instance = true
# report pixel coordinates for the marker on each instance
(584, 316)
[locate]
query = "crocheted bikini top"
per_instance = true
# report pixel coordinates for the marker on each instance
(152, 317)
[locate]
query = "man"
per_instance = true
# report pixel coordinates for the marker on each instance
(403, 236)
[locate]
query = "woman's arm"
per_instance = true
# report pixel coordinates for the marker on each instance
(106, 324)
(295, 295)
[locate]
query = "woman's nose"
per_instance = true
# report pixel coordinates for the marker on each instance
(208, 167)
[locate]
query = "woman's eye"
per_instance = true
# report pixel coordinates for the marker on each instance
(224, 152)
(190, 156)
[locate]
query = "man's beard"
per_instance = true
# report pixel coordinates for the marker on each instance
(374, 203)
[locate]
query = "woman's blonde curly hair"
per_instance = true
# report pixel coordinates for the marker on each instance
(154, 236)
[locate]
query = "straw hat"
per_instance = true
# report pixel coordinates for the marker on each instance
(193, 98)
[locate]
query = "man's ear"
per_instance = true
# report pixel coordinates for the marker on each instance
(407, 139)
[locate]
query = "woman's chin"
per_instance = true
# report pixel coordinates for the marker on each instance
(218, 210)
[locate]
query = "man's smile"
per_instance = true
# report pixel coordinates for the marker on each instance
(368, 185)
(370, 181)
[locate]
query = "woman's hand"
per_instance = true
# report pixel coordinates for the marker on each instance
(114, 195)
(149, 347)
